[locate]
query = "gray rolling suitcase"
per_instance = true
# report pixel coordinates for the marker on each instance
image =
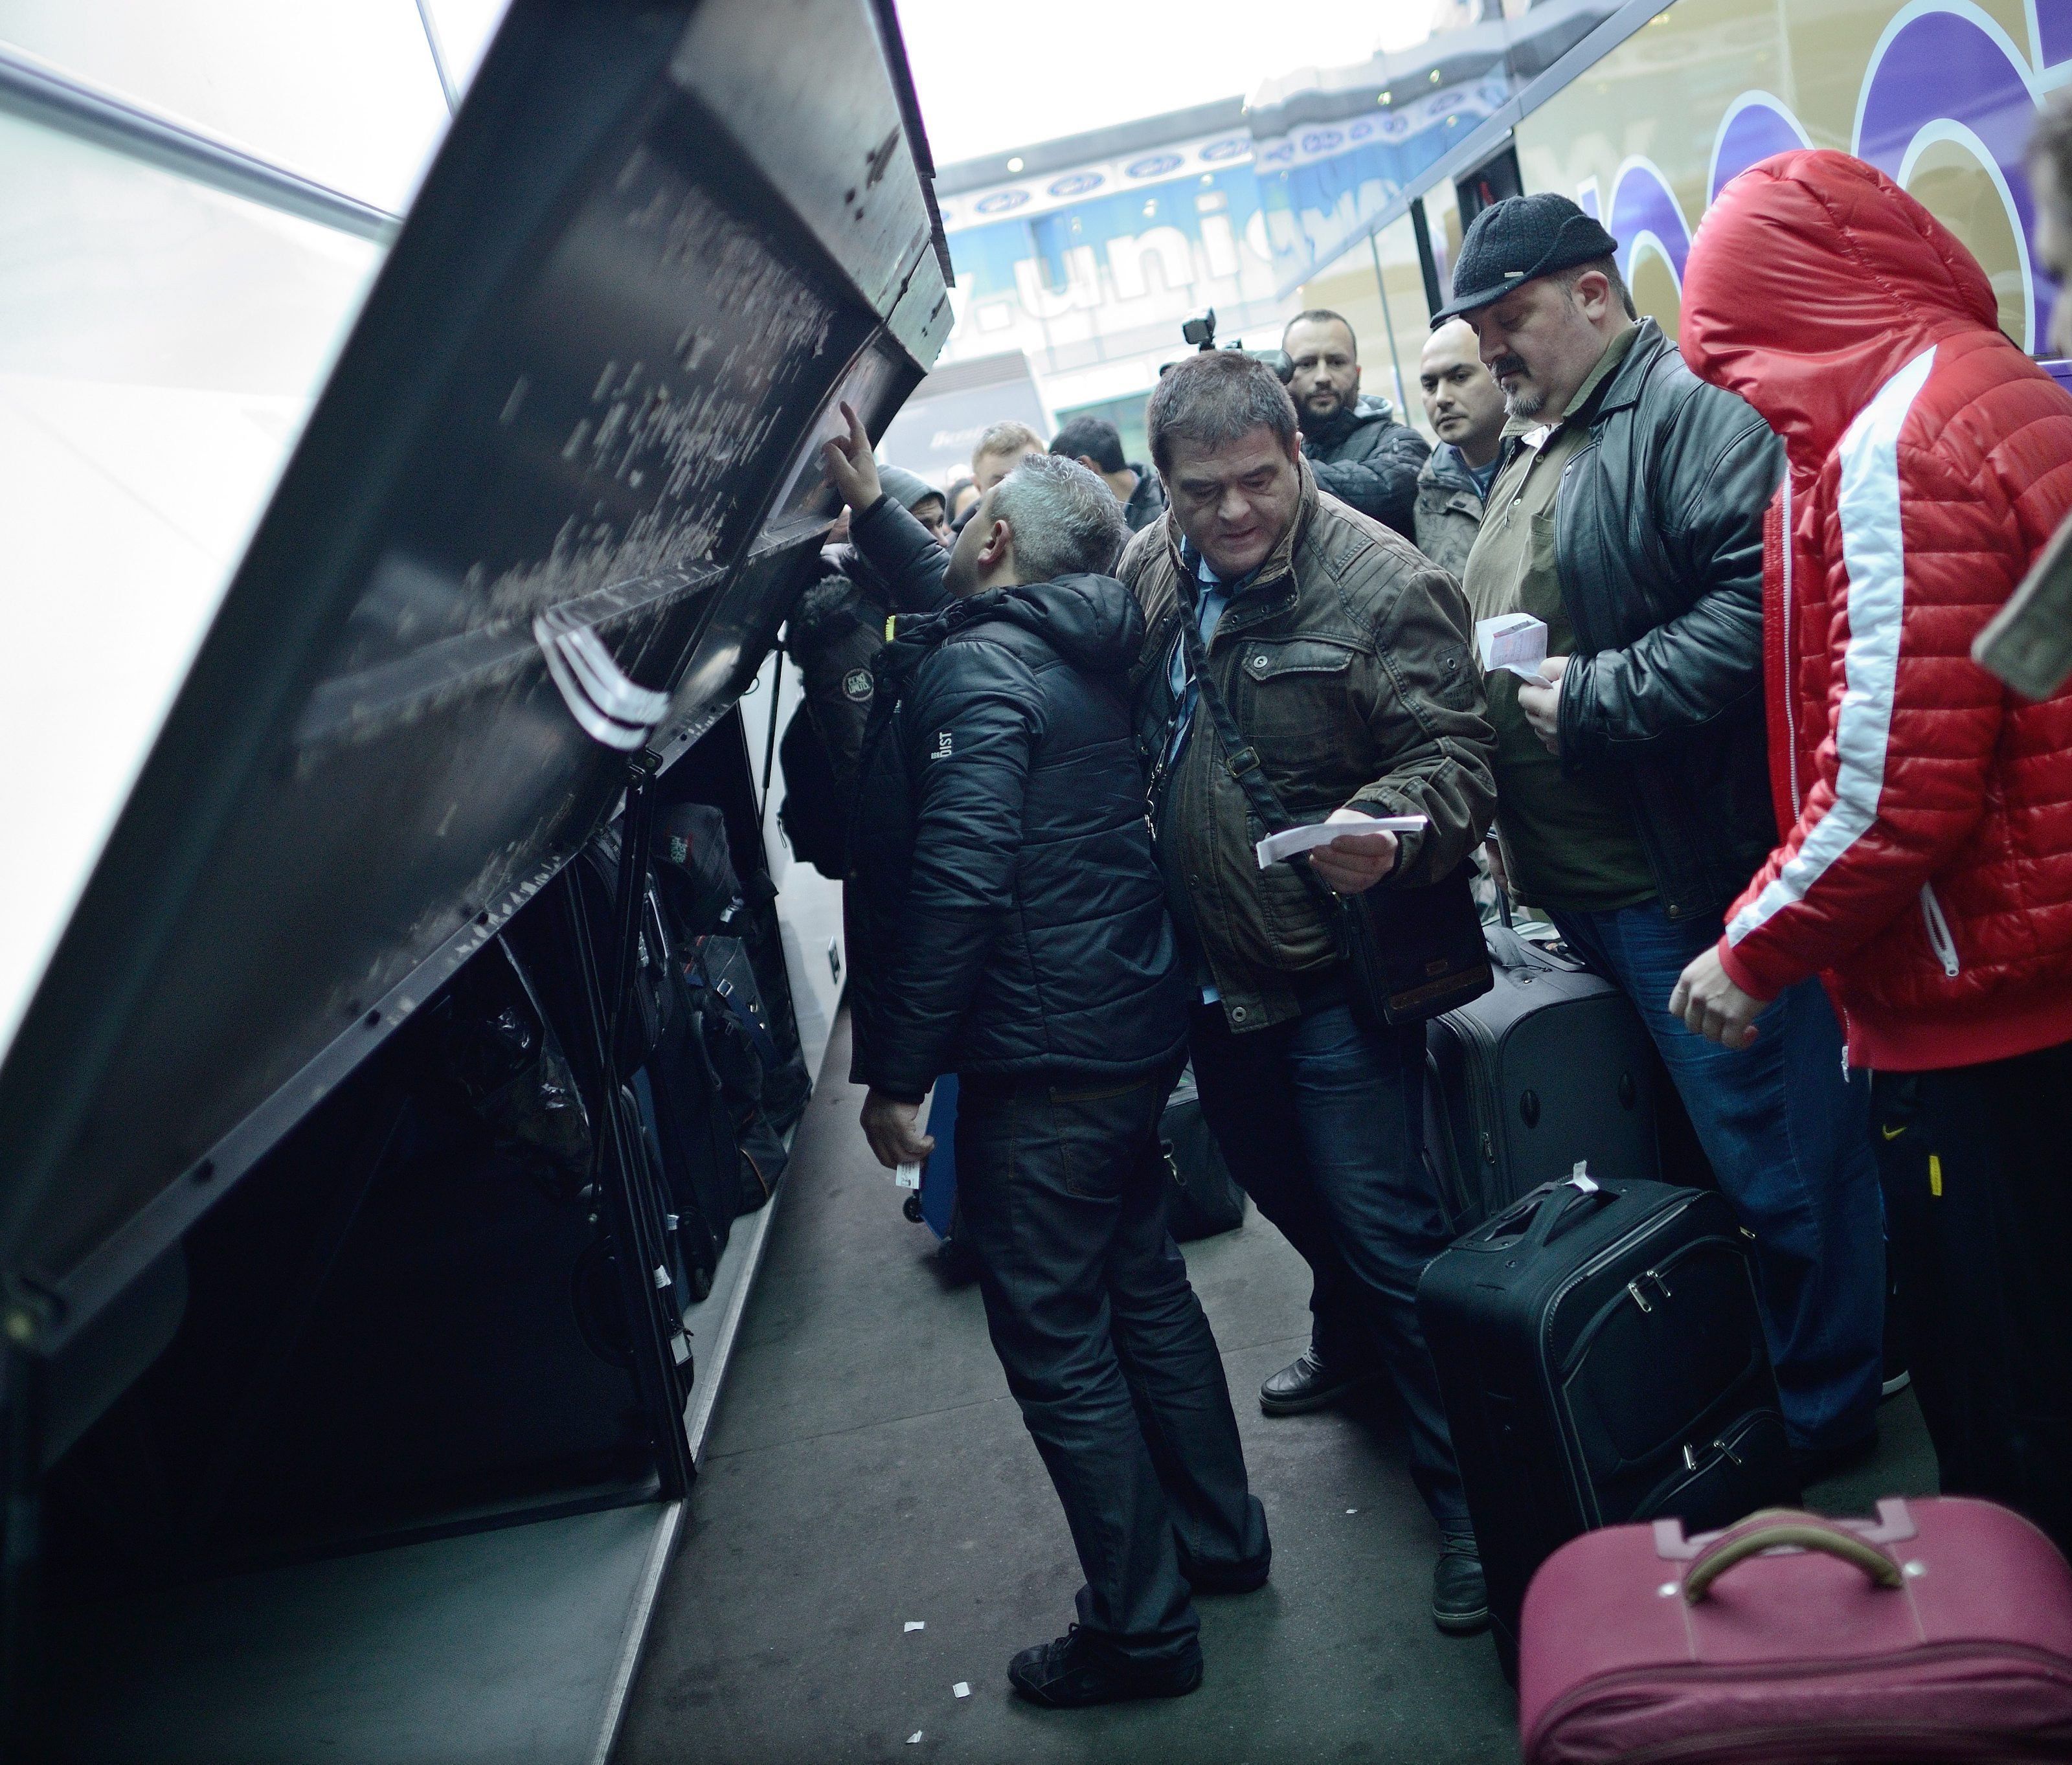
(1551, 1066)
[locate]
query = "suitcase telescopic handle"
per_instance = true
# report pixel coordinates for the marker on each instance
(1783, 1526)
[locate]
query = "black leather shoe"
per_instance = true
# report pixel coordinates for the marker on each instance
(1066, 1674)
(1460, 1596)
(1308, 1384)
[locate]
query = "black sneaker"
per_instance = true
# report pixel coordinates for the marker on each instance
(1309, 1383)
(1067, 1674)
(1460, 1596)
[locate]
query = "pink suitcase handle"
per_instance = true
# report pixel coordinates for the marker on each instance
(1778, 1526)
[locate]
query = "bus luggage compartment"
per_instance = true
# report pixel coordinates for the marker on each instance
(273, 1290)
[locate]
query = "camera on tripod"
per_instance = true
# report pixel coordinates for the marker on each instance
(1200, 329)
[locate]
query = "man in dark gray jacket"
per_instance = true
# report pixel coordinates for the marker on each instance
(1465, 408)
(1009, 925)
(1633, 784)
(1357, 449)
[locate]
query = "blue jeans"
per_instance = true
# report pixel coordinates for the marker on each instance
(1321, 1122)
(1789, 1136)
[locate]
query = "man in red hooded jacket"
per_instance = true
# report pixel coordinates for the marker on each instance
(1926, 870)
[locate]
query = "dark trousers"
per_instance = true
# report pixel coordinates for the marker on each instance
(1321, 1122)
(1789, 1138)
(1062, 1191)
(1978, 1186)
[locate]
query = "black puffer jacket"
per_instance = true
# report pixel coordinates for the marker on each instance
(1147, 502)
(1365, 458)
(1659, 541)
(1005, 914)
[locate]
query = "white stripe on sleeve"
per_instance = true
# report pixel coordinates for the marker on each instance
(1875, 559)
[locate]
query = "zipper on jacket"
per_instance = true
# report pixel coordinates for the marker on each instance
(1939, 940)
(1790, 658)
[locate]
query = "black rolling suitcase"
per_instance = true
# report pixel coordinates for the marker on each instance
(1602, 1361)
(1550, 1066)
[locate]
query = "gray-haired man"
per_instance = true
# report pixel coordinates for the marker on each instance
(1009, 925)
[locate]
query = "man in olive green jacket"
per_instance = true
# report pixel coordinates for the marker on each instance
(1345, 658)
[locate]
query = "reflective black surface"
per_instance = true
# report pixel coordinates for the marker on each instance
(591, 377)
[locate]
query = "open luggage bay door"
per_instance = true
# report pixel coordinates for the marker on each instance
(546, 518)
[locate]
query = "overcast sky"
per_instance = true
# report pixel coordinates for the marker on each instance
(996, 74)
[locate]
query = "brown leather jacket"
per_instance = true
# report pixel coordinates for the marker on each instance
(1347, 661)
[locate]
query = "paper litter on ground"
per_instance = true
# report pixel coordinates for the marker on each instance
(960, 1689)
(1516, 642)
(1276, 847)
(914, 1739)
(916, 1623)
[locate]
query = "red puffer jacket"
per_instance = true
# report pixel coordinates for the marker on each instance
(1927, 870)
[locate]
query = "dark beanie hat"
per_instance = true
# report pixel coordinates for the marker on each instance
(1512, 241)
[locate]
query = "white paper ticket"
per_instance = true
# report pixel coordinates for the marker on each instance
(1277, 847)
(1516, 641)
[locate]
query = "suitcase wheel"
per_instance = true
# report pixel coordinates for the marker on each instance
(912, 1207)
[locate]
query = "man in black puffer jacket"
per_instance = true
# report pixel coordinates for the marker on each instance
(1008, 923)
(1357, 449)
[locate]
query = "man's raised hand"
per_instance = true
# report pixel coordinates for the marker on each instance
(851, 466)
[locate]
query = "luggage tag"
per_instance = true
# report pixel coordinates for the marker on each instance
(906, 1176)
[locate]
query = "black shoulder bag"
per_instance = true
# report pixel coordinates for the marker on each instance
(1414, 952)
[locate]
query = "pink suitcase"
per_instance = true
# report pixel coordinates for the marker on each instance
(1940, 1631)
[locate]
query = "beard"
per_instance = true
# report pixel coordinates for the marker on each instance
(1529, 400)
(1322, 404)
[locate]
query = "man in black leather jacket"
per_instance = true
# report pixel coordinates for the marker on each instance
(1633, 791)
(1008, 924)
(1358, 451)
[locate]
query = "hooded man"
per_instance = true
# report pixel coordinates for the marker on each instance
(1926, 872)
(1357, 449)
(838, 627)
(1009, 925)
(1626, 514)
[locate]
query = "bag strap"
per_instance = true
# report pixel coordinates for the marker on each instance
(1241, 757)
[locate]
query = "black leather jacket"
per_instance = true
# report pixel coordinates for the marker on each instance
(1005, 913)
(1659, 540)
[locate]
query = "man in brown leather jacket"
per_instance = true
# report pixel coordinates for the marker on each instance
(1345, 658)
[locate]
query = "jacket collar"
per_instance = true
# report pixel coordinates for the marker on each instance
(1365, 408)
(1623, 389)
(1278, 564)
(1620, 391)
(1445, 467)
